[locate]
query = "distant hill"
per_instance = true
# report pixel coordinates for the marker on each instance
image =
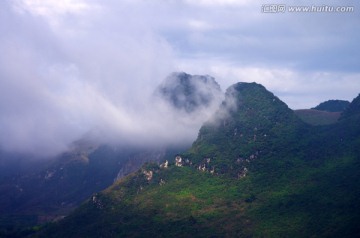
(325, 113)
(255, 170)
(317, 117)
(332, 106)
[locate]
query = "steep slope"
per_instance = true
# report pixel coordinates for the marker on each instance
(252, 122)
(297, 181)
(60, 185)
(32, 197)
(353, 110)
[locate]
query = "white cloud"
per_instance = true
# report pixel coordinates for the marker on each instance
(57, 85)
(50, 8)
(199, 25)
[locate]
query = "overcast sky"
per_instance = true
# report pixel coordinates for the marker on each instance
(68, 67)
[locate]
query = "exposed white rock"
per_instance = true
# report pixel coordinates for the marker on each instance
(202, 167)
(148, 174)
(164, 165)
(178, 161)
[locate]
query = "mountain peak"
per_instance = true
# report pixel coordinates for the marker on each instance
(189, 92)
(249, 118)
(252, 101)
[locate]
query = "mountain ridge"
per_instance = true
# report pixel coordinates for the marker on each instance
(301, 183)
(332, 106)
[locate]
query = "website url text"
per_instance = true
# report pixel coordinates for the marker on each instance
(282, 8)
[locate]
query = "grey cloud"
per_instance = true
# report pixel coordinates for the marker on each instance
(62, 81)
(303, 41)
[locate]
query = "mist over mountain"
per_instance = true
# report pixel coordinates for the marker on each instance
(190, 92)
(86, 102)
(70, 69)
(34, 191)
(255, 170)
(147, 119)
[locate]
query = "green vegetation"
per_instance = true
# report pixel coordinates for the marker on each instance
(256, 170)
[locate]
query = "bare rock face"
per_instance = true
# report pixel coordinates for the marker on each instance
(178, 161)
(148, 174)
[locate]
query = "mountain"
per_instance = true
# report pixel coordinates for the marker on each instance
(55, 188)
(251, 117)
(35, 196)
(332, 106)
(189, 92)
(317, 117)
(255, 170)
(35, 191)
(325, 113)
